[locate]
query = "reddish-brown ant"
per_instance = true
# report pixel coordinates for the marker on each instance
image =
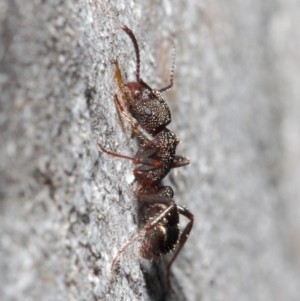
(155, 158)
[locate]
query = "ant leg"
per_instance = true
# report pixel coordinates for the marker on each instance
(180, 161)
(145, 161)
(183, 237)
(135, 125)
(114, 154)
(125, 246)
(148, 227)
(142, 152)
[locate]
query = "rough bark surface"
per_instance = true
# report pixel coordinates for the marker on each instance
(66, 208)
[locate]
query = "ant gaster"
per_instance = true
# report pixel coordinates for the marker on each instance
(155, 158)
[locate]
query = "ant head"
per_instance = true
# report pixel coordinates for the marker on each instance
(147, 104)
(163, 238)
(148, 107)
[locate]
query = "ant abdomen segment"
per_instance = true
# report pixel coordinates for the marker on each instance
(160, 233)
(164, 236)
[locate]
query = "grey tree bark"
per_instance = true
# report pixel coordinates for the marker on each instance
(66, 208)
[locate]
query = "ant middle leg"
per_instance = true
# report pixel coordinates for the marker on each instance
(136, 160)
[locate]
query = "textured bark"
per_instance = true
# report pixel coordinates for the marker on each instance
(66, 208)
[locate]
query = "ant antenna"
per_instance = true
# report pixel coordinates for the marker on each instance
(172, 68)
(138, 61)
(137, 51)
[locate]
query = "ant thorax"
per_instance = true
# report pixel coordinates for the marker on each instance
(163, 153)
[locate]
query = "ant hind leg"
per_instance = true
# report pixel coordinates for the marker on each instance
(148, 227)
(183, 237)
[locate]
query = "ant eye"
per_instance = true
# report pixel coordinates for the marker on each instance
(148, 112)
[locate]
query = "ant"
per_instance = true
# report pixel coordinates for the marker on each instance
(155, 158)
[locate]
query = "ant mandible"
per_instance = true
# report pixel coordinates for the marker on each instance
(155, 158)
